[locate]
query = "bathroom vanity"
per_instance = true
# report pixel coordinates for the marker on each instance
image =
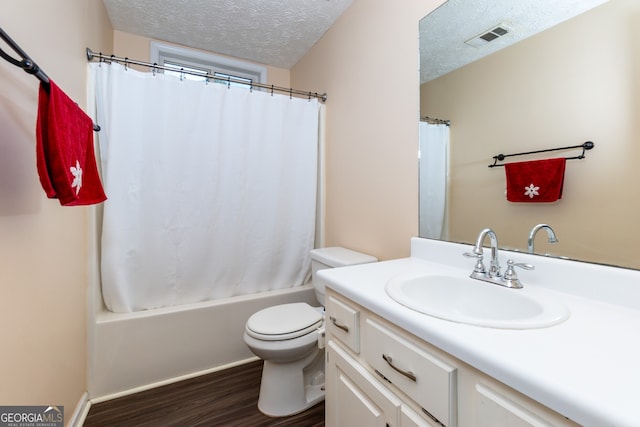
(391, 365)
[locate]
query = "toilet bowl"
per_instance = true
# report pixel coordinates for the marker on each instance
(286, 338)
(289, 338)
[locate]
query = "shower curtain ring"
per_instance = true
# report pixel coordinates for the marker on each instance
(228, 82)
(155, 68)
(181, 74)
(126, 64)
(271, 90)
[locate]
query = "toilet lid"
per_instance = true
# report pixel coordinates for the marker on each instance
(285, 321)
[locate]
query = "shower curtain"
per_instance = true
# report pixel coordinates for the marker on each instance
(434, 171)
(211, 189)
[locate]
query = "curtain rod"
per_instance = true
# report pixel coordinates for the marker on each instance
(93, 56)
(435, 121)
(27, 64)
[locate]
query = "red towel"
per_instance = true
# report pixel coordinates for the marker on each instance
(64, 150)
(535, 181)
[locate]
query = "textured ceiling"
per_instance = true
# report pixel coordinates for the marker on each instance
(271, 32)
(444, 31)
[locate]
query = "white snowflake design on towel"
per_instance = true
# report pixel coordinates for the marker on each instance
(531, 191)
(76, 171)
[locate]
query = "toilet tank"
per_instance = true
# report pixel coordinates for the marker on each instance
(332, 257)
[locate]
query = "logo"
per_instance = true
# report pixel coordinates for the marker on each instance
(31, 416)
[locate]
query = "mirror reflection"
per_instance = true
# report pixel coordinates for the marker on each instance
(542, 86)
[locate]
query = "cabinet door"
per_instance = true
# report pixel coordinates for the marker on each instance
(497, 410)
(354, 397)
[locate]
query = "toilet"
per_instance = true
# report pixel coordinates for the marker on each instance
(290, 340)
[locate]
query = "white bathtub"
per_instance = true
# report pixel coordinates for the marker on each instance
(129, 352)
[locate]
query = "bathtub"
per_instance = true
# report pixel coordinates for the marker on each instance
(129, 352)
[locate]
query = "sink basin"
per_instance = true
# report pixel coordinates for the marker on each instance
(465, 300)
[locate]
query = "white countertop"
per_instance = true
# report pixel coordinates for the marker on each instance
(586, 368)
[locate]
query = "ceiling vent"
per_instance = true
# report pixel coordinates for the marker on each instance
(489, 35)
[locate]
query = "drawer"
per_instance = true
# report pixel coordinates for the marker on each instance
(343, 321)
(424, 377)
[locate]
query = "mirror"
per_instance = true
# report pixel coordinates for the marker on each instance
(573, 82)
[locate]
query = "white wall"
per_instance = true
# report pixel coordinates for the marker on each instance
(43, 261)
(368, 65)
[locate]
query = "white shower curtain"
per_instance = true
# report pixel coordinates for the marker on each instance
(434, 170)
(211, 190)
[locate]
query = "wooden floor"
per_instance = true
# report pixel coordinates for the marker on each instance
(226, 398)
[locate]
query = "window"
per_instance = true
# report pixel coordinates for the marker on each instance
(206, 63)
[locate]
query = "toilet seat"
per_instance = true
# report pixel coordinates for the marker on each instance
(283, 322)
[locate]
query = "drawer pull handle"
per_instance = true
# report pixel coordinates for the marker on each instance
(338, 325)
(407, 374)
(432, 417)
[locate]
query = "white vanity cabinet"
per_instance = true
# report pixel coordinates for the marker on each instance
(380, 375)
(359, 393)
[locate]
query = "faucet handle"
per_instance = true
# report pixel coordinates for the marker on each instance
(479, 267)
(510, 277)
(511, 264)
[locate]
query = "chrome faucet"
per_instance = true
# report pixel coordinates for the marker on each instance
(494, 267)
(532, 236)
(510, 279)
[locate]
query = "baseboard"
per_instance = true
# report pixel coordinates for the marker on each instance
(169, 381)
(80, 412)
